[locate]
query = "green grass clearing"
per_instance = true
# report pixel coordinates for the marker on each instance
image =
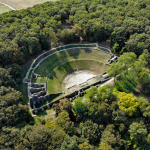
(53, 85)
(48, 113)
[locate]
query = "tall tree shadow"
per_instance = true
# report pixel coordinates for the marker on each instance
(87, 50)
(125, 84)
(74, 53)
(66, 68)
(52, 75)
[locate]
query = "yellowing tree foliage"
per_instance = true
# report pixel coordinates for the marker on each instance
(85, 146)
(127, 103)
(50, 124)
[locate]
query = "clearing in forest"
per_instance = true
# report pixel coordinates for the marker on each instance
(55, 69)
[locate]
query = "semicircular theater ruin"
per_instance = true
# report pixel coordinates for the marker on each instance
(67, 72)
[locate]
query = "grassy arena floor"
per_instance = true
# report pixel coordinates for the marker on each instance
(59, 65)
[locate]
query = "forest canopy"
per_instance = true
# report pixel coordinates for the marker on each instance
(109, 118)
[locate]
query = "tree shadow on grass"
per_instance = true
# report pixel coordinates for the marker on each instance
(87, 50)
(125, 84)
(74, 53)
(66, 68)
(62, 56)
(41, 104)
(42, 113)
(52, 75)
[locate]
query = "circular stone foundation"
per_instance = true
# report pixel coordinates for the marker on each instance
(79, 78)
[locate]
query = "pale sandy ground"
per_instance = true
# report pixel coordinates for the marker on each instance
(22, 4)
(79, 78)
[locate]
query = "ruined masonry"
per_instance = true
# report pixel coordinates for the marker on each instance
(37, 94)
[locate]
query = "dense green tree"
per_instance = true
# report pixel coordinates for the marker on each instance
(144, 106)
(79, 109)
(90, 131)
(105, 95)
(33, 45)
(107, 113)
(141, 69)
(94, 112)
(57, 138)
(114, 70)
(137, 43)
(63, 121)
(29, 31)
(119, 116)
(118, 36)
(138, 134)
(45, 42)
(39, 138)
(5, 78)
(64, 105)
(70, 143)
(91, 94)
(109, 139)
(121, 67)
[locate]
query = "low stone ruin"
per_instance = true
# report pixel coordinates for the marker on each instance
(42, 93)
(112, 59)
(37, 93)
(35, 99)
(37, 85)
(34, 75)
(35, 90)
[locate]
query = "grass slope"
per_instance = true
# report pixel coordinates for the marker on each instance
(74, 54)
